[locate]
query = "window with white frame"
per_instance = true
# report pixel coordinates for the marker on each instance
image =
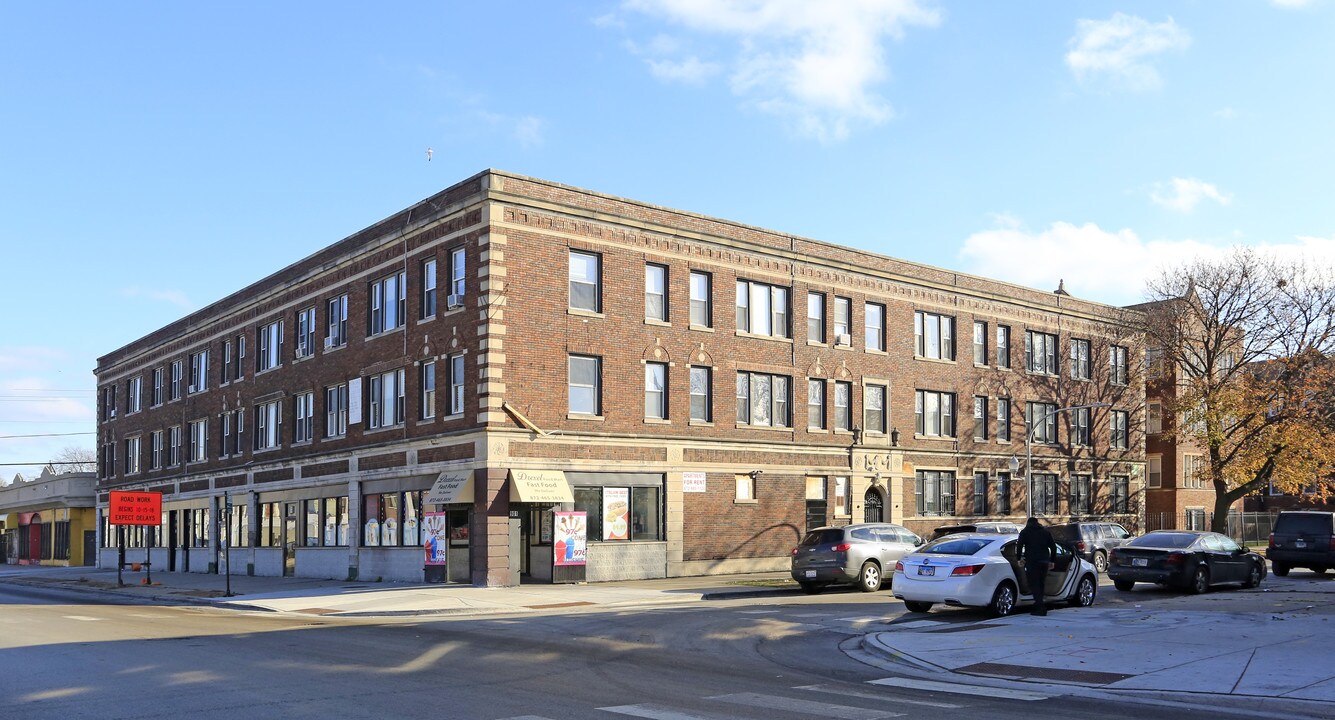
(1044, 490)
(934, 413)
(843, 321)
(199, 371)
(386, 402)
(157, 386)
(107, 460)
(336, 410)
(873, 408)
(762, 309)
(1080, 427)
(1040, 352)
(427, 401)
(584, 381)
(1003, 346)
(240, 366)
(980, 417)
(934, 492)
(746, 488)
(980, 483)
(1004, 419)
(1154, 418)
(702, 311)
(1121, 493)
(979, 342)
(1193, 472)
(702, 394)
(135, 394)
(1153, 471)
(457, 384)
(428, 288)
(174, 446)
(816, 403)
(1041, 422)
(655, 391)
(586, 281)
(131, 455)
(233, 425)
(228, 360)
(199, 440)
(109, 401)
(1003, 493)
(303, 424)
(1118, 429)
(336, 327)
(763, 400)
(1117, 365)
(874, 326)
(1079, 359)
(843, 405)
(655, 292)
(458, 281)
(176, 373)
(155, 450)
(389, 302)
(1082, 498)
(815, 317)
(306, 332)
(933, 336)
(843, 497)
(270, 353)
(268, 424)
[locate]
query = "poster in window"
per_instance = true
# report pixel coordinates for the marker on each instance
(545, 529)
(571, 538)
(616, 513)
(436, 540)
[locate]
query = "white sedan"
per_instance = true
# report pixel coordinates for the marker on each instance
(981, 570)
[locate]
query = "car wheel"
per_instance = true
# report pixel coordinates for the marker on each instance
(1101, 562)
(1200, 581)
(1085, 591)
(1003, 600)
(1124, 585)
(869, 580)
(1253, 576)
(811, 588)
(1280, 569)
(918, 607)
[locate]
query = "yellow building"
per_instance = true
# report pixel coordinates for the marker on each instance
(50, 520)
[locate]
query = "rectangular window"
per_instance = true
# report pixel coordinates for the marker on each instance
(1121, 493)
(270, 354)
(762, 309)
(386, 402)
(457, 384)
(304, 422)
(336, 410)
(1080, 427)
(240, 357)
(934, 413)
(1003, 493)
(702, 311)
(979, 342)
(655, 292)
(843, 405)
(843, 497)
(1003, 346)
(934, 336)
(174, 446)
(228, 360)
(428, 288)
(979, 493)
(583, 391)
(873, 408)
(233, 424)
(655, 391)
(155, 450)
(175, 381)
(1117, 365)
(980, 417)
(586, 281)
(934, 492)
(458, 280)
(108, 461)
(109, 402)
(388, 302)
(427, 400)
(131, 455)
(702, 405)
(1153, 418)
(1081, 494)
(1044, 490)
(1040, 352)
(874, 326)
(843, 321)
(1193, 475)
(336, 329)
(135, 394)
(306, 333)
(225, 431)
(1153, 471)
(1004, 419)
(268, 420)
(1118, 422)
(199, 371)
(199, 440)
(1079, 359)
(1045, 416)
(816, 404)
(157, 386)
(746, 488)
(763, 400)
(815, 317)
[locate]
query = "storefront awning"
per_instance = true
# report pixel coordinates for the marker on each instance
(451, 487)
(539, 486)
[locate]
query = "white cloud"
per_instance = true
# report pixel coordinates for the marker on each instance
(1184, 194)
(173, 297)
(1120, 48)
(813, 64)
(1291, 4)
(1226, 113)
(528, 131)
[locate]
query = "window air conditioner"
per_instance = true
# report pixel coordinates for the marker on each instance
(328, 342)
(454, 301)
(843, 339)
(192, 388)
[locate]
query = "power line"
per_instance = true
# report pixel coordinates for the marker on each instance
(49, 462)
(11, 437)
(53, 390)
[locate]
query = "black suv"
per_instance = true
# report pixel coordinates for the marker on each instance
(1091, 540)
(1302, 538)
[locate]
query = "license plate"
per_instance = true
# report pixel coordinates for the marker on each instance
(1299, 544)
(811, 573)
(1140, 562)
(926, 570)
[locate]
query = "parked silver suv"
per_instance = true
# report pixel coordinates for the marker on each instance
(861, 554)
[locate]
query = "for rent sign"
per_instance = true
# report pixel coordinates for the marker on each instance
(135, 508)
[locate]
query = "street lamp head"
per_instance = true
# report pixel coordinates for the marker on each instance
(1015, 464)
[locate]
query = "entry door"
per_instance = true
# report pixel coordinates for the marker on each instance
(89, 547)
(173, 518)
(289, 539)
(874, 506)
(34, 542)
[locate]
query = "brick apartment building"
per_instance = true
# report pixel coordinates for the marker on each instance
(704, 390)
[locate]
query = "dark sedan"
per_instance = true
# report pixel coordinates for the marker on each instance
(1193, 560)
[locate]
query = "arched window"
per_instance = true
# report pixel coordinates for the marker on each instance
(875, 506)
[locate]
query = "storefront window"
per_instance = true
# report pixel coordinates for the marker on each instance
(271, 525)
(459, 527)
(646, 522)
(608, 509)
(412, 518)
(312, 523)
(238, 526)
(590, 500)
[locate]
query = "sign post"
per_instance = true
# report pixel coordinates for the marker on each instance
(134, 508)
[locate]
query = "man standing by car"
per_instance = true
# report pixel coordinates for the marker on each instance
(1036, 550)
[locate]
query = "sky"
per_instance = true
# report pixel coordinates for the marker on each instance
(156, 157)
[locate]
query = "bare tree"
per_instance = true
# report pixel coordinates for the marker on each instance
(73, 458)
(1244, 349)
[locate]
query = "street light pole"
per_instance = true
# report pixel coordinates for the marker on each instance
(1029, 449)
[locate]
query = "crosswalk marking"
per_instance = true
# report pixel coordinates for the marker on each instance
(526, 717)
(847, 692)
(658, 712)
(81, 618)
(913, 624)
(862, 619)
(934, 686)
(757, 612)
(774, 702)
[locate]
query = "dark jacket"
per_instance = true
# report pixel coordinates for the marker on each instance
(1036, 544)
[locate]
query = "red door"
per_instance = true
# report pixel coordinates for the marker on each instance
(34, 543)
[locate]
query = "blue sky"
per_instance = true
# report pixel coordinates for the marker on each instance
(158, 156)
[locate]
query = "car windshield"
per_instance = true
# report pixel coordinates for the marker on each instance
(825, 536)
(1164, 540)
(957, 546)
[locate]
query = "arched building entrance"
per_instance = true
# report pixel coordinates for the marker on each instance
(873, 506)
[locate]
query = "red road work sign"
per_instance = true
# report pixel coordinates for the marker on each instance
(135, 508)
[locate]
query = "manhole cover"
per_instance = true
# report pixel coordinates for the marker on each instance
(1084, 677)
